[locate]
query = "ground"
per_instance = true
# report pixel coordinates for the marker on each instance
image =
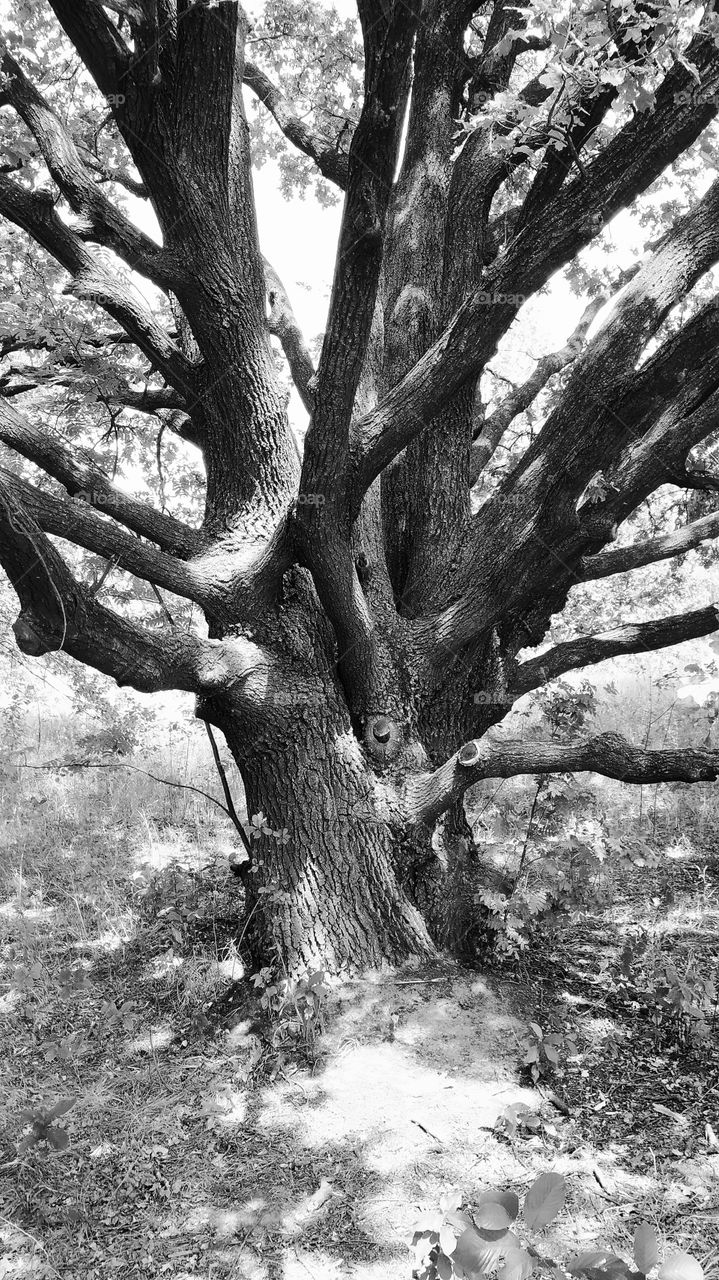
(204, 1140)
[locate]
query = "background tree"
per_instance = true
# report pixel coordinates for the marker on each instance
(353, 615)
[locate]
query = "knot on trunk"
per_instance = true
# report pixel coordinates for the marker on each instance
(28, 639)
(382, 738)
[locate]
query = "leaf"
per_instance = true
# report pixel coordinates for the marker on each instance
(507, 1200)
(536, 1029)
(590, 1259)
(58, 1139)
(447, 1239)
(444, 1266)
(544, 1199)
(531, 1120)
(681, 1266)
(517, 1265)
(646, 1251)
(460, 1221)
(614, 1269)
(61, 1108)
(491, 1216)
(473, 1254)
(430, 1222)
(664, 1111)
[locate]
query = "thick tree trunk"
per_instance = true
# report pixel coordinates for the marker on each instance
(326, 890)
(341, 880)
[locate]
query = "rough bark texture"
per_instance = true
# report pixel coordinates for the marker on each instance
(364, 622)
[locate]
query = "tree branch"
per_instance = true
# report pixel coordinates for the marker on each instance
(133, 12)
(77, 522)
(544, 496)
(659, 455)
(221, 583)
(676, 543)
(78, 472)
(609, 754)
(372, 160)
(92, 281)
(626, 167)
(332, 163)
(97, 41)
(639, 637)
(57, 613)
(325, 546)
(283, 324)
(105, 223)
(492, 428)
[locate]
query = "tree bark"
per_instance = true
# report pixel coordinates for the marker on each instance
(326, 887)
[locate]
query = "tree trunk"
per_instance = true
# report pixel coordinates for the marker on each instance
(325, 890)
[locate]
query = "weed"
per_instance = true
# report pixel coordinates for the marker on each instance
(43, 1129)
(543, 1053)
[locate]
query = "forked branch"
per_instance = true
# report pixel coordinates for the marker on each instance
(330, 160)
(80, 474)
(626, 167)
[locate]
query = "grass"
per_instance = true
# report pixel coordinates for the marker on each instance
(197, 1148)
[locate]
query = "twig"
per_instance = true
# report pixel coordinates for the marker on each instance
(520, 868)
(230, 805)
(113, 764)
(429, 1133)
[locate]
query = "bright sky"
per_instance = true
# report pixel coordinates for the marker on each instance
(299, 238)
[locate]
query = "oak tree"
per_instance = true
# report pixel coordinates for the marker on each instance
(356, 613)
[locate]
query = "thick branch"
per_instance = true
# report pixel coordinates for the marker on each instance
(283, 324)
(325, 544)
(541, 516)
(133, 12)
(332, 163)
(105, 223)
(659, 455)
(97, 41)
(373, 156)
(493, 427)
(92, 281)
(78, 472)
(609, 754)
(625, 168)
(676, 543)
(640, 637)
(224, 581)
(149, 399)
(59, 614)
(77, 522)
